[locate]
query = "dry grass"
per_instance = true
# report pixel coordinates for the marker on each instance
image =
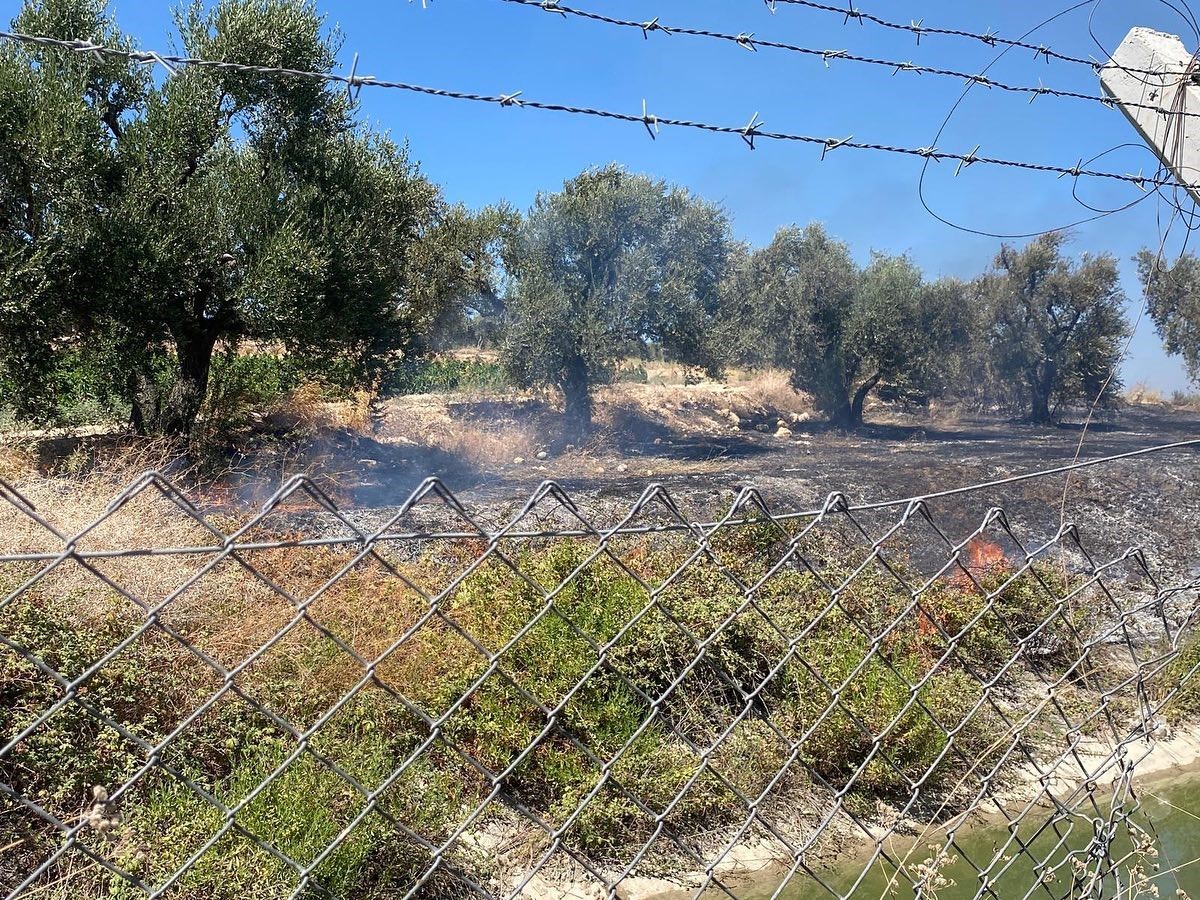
(475, 431)
(1144, 395)
(744, 399)
(1185, 401)
(306, 409)
(17, 458)
(772, 389)
(1181, 401)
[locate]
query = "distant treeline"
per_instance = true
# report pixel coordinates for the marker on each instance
(150, 228)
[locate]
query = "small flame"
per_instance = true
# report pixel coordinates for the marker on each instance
(984, 558)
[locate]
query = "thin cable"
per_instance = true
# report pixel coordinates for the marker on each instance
(1014, 479)
(749, 42)
(749, 132)
(1176, 138)
(1161, 173)
(239, 545)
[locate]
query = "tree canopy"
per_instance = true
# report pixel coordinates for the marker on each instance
(802, 304)
(150, 219)
(144, 222)
(611, 265)
(1173, 299)
(1054, 327)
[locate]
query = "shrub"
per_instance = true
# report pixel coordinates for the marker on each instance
(443, 374)
(621, 699)
(1180, 675)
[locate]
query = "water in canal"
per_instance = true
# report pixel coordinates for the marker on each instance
(1170, 809)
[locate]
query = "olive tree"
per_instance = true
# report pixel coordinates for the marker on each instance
(802, 304)
(1173, 300)
(614, 264)
(144, 223)
(1054, 327)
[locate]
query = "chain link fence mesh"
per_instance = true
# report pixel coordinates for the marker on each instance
(292, 703)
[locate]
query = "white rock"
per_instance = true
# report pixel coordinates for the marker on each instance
(622, 468)
(783, 431)
(518, 460)
(542, 454)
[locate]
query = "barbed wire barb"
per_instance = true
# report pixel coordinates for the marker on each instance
(991, 38)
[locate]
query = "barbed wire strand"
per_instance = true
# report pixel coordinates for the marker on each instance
(1161, 172)
(749, 41)
(749, 133)
(990, 38)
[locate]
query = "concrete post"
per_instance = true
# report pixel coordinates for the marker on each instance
(1152, 102)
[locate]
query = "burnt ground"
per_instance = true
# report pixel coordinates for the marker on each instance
(1150, 502)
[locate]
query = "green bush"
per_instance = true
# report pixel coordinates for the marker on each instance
(622, 700)
(442, 374)
(1182, 676)
(633, 373)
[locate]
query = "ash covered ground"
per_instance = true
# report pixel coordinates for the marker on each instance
(1150, 502)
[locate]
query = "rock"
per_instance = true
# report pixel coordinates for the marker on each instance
(622, 468)
(783, 431)
(518, 460)
(657, 441)
(542, 454)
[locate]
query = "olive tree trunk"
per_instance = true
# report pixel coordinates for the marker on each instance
(174, 411)
(577, 398)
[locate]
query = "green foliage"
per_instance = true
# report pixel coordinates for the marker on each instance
(1182, 677)
(144, 223)
(1054, 328)
(610, 263)
(441, 374)
(802, 304)
(870, 686)
(1173, 300)
(135, 689)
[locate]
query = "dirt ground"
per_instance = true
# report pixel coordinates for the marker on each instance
(704, 443)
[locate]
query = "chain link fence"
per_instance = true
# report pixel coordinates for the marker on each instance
(304, 701)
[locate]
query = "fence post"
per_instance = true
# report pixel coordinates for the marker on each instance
(1155, 81)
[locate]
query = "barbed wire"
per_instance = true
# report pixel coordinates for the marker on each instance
(749, 41)
(750, 132)
(990, 38)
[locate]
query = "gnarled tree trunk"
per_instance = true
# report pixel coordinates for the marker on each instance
(1041, 390)
(860, 397)
(849, 413)
(174, 412)
(577, 398)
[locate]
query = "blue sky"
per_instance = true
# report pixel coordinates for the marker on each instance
(481, 153)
